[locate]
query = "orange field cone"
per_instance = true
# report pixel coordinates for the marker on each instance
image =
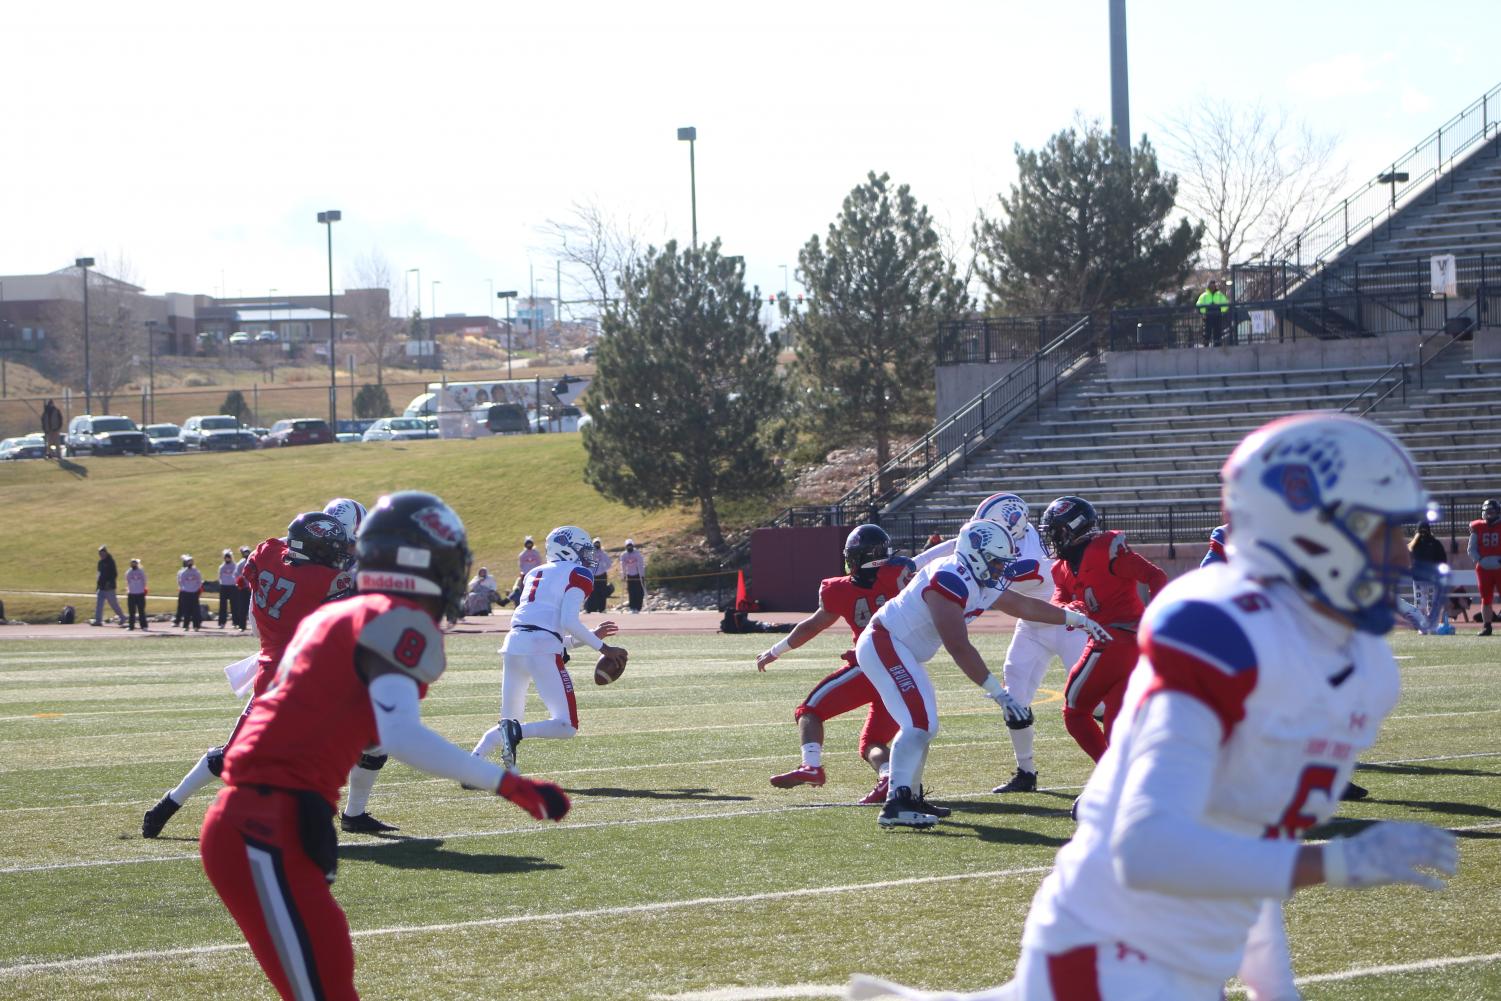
(742, 597)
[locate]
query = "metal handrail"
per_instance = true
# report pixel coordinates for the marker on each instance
(951, 440)
(1398, 383)
(1334, 232)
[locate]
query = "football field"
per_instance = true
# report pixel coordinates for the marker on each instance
(680, 873)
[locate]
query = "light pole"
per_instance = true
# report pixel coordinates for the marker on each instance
(689, 135)
(151, 354)
(507, 296)
(83, 264)
(328, 219)
(433, 331)
(416, 312)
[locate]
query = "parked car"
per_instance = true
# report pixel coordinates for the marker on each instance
(219, 432)
(31, 446)
(90, 435)
(266, 337)
(239, 337)
(502, 418)
(260, 434)
(165, 438)
(432, 426)
(299, 431)
(567, 419)
(399, 429)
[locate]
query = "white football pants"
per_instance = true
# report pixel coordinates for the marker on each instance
(903, 685)
(554, 686)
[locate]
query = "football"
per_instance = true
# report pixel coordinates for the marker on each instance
(608, 668)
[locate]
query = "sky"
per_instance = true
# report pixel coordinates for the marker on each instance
(196, 142)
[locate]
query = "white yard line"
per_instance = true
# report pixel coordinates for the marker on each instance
(21, 969)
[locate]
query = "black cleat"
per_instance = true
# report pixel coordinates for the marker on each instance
(902, 810)
(156, 818)
(1354, 792)
(510, 738)
(363, 823)
(1073, 810)
(1022, 781)
(1484, 632)
(927, 806)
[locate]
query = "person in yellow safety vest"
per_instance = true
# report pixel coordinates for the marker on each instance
(1213, 305)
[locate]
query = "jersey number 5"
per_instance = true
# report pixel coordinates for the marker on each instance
(1315, 778)
(265, 581)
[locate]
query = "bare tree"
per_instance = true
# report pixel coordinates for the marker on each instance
(1253, 177)
(370, 316)
(598, 244)
(116, 334)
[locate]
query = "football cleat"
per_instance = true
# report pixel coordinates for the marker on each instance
(802, 775)
(902, 810)
(510, 737)
(1354, 792)
(927, 806)
(156, 818)
(877, 796)
(1022, 781)
(363, 823)
(1073, 810)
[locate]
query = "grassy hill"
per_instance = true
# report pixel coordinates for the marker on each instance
(159, 507)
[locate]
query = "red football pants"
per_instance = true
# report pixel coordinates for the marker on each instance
(846, 690)
(1099, 676)
(253, 855)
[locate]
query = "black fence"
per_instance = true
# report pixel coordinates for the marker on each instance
(993, 339)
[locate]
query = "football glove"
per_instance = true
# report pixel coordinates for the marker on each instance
(543, 800)
(1018, 716)
(1391, 852)
(1078, 620)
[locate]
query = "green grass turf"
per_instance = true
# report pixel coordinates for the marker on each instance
(159, 507)
(680, 868)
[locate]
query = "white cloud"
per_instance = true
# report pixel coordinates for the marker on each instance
(1348, 74)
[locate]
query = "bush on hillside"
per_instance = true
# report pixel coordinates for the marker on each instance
(372, 401)
(234, 404)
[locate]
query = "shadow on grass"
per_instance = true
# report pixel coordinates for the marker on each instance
(1425, 770)
(702, 795)
(77, 470)
(429, 853)
(997, 835)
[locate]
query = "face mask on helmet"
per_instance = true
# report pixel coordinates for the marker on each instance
(986, 548)
(318, 538)
(1065, 521)
(411, 543)
(570, 544)
(1491, 511)
(864, 550)
(1322, 502)
(1008, 510)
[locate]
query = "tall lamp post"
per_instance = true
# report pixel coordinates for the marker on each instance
(432, 331)
(83, 264)
(507, 296)
(328, 219)
(689, 135)
(151, 326)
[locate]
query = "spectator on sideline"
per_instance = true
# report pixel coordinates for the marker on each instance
(242, 593)
(602, 587)
(189, 587)
(135, 594)
(52, 430)
(1213, 305)
(528, 558)
(105, 586)
(933, 540)
(633, 566)
(1427, 550)
(481, 594)
(227, 588)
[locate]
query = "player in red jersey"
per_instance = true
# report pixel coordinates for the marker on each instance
(1485, 552)
(875, 577)
(1097, 573)
(289, 578)
(352, 677)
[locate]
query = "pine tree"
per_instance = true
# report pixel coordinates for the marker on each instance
(1085, 228)
(685, 386)
(879, 286)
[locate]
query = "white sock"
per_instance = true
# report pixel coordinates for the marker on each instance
(907, 753)
(196, 779)
(1021, 742)
(361, 780)
(550, 729)
(487, 743)
(813, 755)
(885, 770)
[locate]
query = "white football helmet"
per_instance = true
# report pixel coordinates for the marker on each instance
(570, 544)
(988, 550)
(1009, 510)
(1309, 496)
(350, 512)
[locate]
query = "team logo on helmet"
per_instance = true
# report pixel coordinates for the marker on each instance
(440, 523)
(1295, 483)
(324, 529)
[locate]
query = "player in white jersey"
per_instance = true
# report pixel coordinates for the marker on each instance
(934, 610)
(545, 624)
(1033, 644)
(1260, 682)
